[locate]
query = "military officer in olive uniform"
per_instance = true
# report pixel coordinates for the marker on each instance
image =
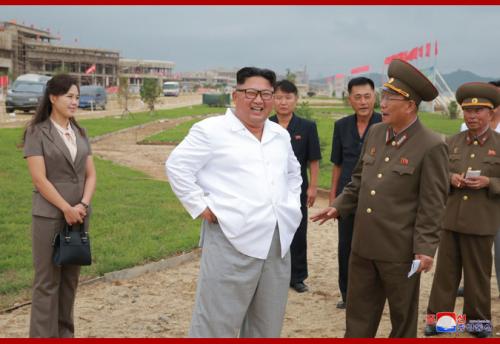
(398, 192)
(472, 215)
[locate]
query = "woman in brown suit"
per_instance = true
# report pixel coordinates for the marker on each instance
(60, 163)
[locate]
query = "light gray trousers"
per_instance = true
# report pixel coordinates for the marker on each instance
(238, 294)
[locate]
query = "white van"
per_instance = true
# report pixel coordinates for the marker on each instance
(171, 88)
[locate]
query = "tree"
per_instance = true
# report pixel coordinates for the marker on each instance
(290, 76)
(453, 109)
(123, 94)
(304, 110)
(150, 91)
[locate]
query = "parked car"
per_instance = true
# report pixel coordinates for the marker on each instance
(93, 97)
(26, 92)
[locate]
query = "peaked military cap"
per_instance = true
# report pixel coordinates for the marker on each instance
(476, 94)
(408, 81)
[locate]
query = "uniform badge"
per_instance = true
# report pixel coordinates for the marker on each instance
(401, 140)
(298, 137)
(404, 161)
(372, 151)
(492, 152)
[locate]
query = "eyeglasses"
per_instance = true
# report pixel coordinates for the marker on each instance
(385, 98)
(252, 93)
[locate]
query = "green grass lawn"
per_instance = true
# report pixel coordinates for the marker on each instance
(174, 135)
(135, 219)
(100, 126)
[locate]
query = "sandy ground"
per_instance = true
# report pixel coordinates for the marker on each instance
(159, 304)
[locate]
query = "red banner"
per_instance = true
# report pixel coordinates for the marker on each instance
(427, 50)
(435, 48)
(361, 69)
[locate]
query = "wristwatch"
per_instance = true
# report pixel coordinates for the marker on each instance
(84, 204)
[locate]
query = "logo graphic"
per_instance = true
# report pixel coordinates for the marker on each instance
(446, 322)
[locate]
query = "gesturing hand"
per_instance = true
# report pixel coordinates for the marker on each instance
(325, 215)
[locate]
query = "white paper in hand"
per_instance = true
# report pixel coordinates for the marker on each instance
(414, 267)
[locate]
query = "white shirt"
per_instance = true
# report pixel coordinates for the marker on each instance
(463, 127)
(69, 138)
(250, 185)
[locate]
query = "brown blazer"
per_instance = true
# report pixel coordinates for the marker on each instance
(68, 177)
(398, 191)
(471, 211)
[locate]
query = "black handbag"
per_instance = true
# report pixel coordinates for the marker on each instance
(72, 247)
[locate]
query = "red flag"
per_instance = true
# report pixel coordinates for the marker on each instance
(361, 69)
(421, 51)
(436, 48)
(4, 81)
(413, 54)
(91, 69)
(339, 76)
(427, 49)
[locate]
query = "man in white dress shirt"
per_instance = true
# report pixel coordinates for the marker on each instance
(239, 174)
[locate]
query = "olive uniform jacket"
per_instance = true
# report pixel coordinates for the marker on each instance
(398, 190)
(472, 211)
(68, 177)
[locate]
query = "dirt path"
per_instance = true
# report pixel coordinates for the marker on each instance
(159, 304)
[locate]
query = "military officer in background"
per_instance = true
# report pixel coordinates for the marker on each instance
(472, 215)
(398, 191)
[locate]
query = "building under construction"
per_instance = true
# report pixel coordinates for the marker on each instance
(26, 49)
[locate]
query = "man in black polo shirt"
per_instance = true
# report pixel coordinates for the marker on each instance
(305, 144)
(348, 136)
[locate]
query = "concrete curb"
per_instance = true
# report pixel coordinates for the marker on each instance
(166, 263)
(163, 264)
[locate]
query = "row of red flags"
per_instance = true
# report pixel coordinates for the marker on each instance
(414, 54)
(423, 51)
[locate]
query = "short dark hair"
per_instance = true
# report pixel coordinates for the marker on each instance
(247, 72)
(495, 83)
(360, 81)
(286, 86)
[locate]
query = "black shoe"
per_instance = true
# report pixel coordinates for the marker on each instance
(460, 292)
(482, 334)
(341, 304)
(299, 287)
(430, 330)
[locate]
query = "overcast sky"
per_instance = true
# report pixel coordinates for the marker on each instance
(327, 39)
